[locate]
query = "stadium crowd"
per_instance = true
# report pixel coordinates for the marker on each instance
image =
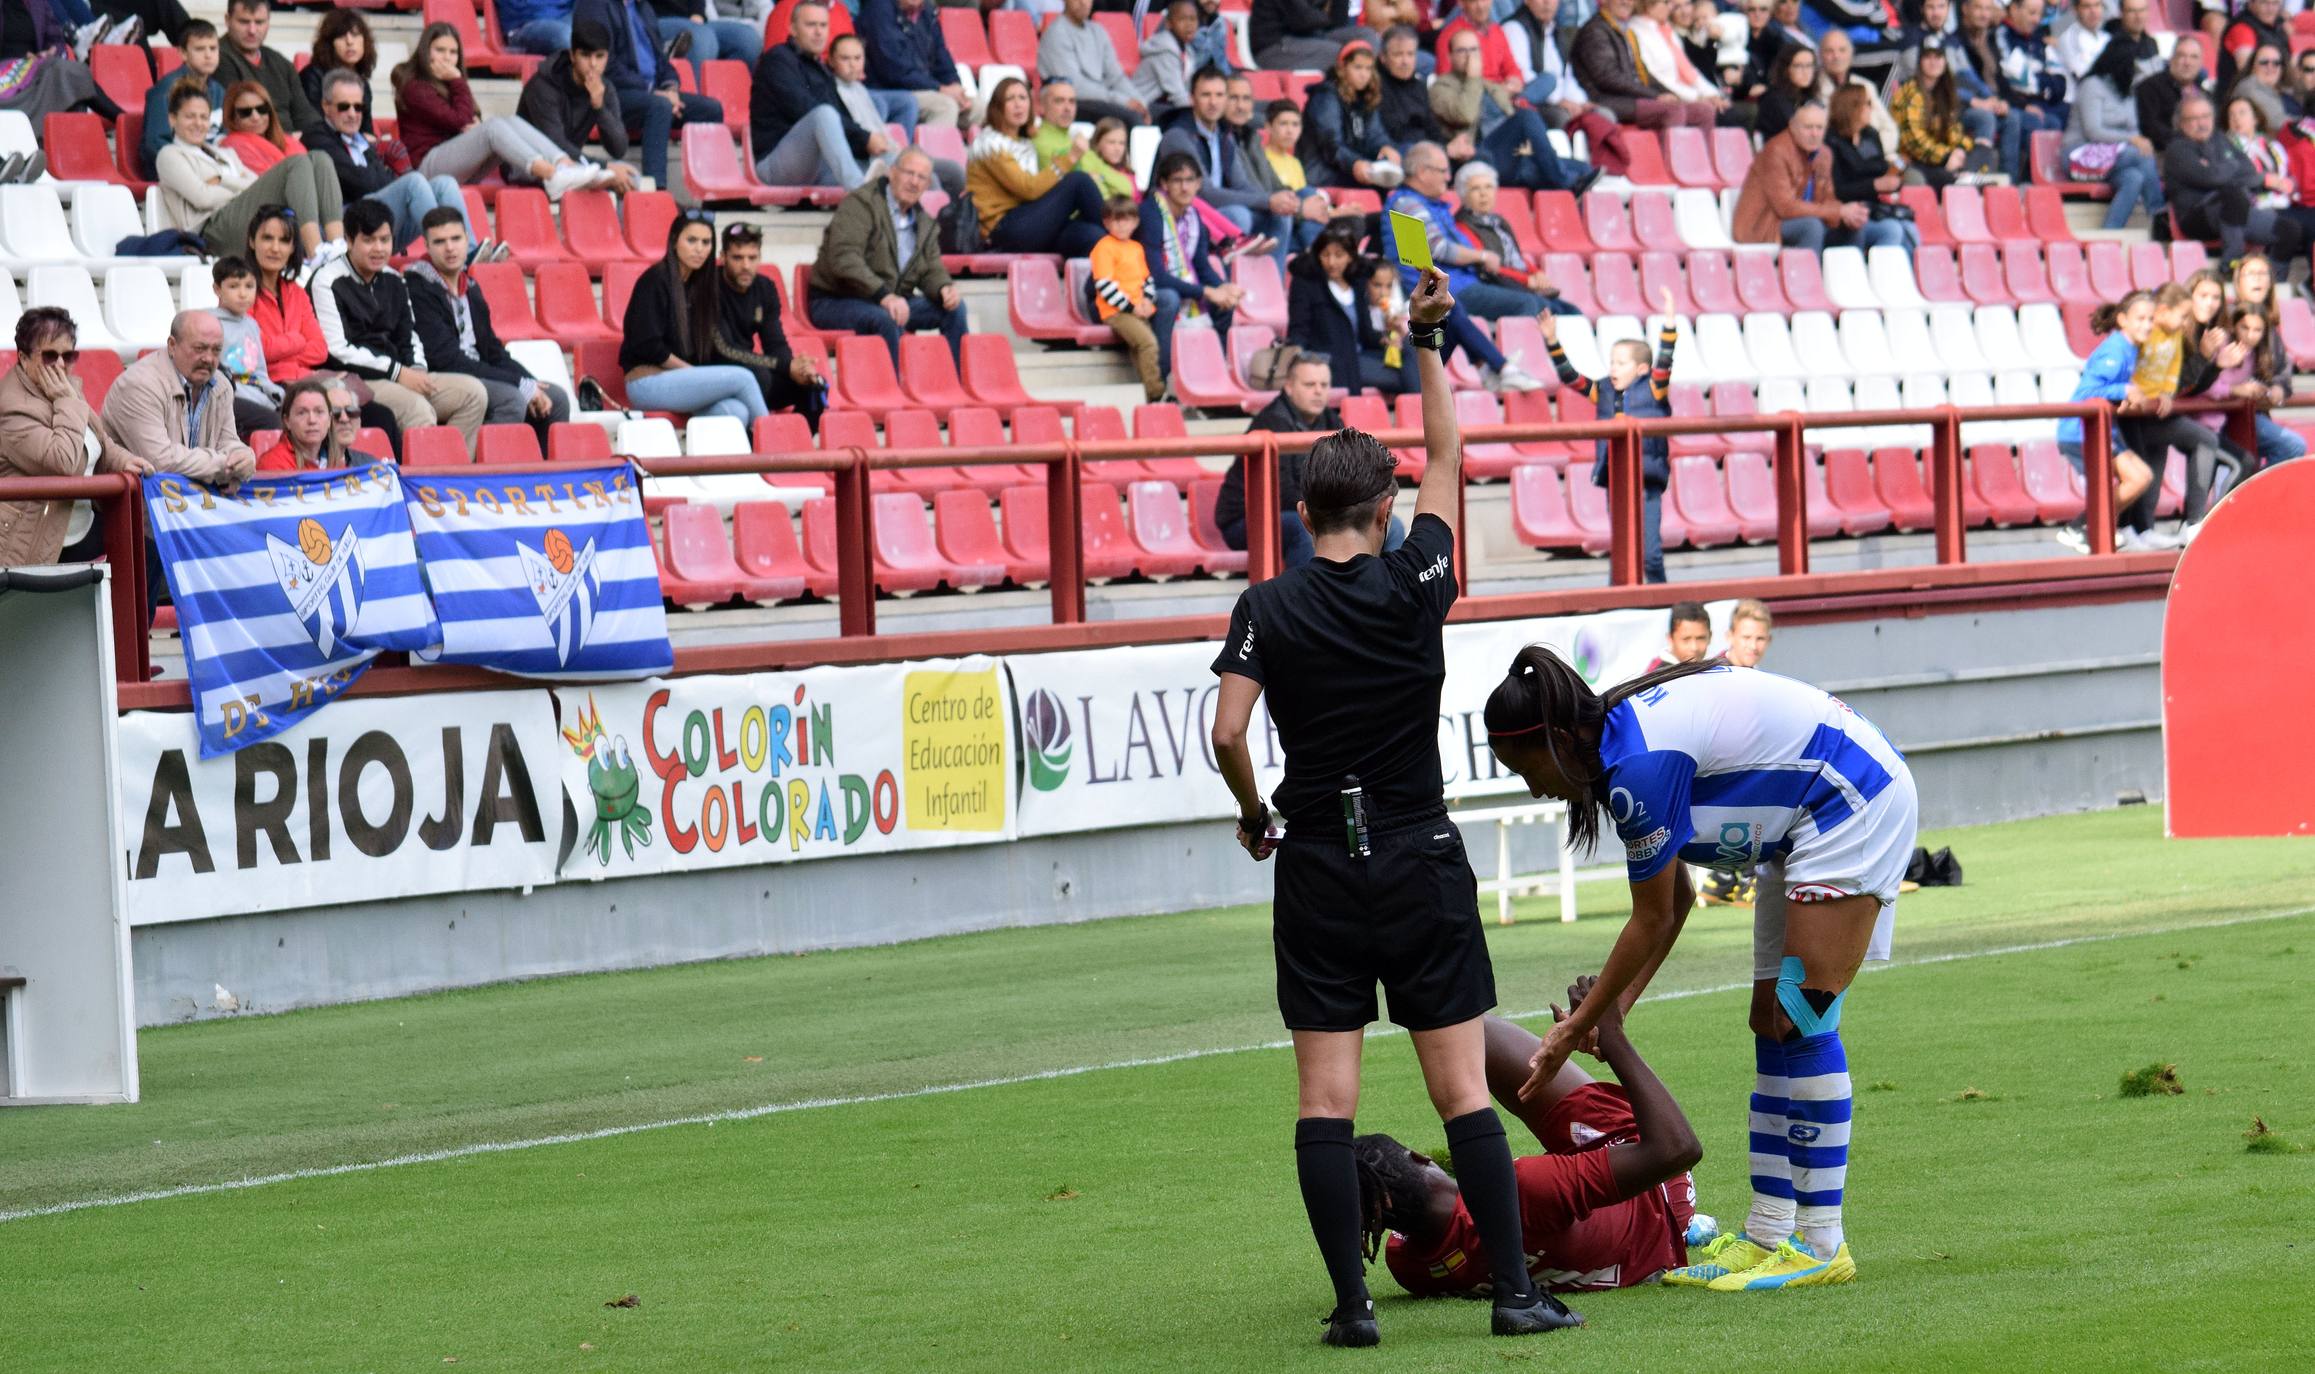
(1184, 188)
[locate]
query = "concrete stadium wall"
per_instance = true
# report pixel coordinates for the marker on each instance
(2002, 715)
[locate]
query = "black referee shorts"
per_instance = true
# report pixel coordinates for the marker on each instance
(1406, 916)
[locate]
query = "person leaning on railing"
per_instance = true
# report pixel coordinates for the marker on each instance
(48, 430)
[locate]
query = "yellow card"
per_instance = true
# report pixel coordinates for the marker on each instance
(1414, 240)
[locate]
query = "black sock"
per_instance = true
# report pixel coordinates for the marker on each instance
(1491, 1194)
(1329, 1174)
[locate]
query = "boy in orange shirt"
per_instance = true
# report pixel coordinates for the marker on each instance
(1126, 298)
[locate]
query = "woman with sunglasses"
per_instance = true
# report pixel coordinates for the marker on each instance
(348, 418)
(253, 131)
(48, 429)
(448, 136)
(670, 351)
(211, 192)
(341, 42)
(308, 437)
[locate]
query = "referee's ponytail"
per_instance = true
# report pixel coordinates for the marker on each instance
(1544, 699)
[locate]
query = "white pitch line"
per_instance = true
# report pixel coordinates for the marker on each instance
(1041, 1076)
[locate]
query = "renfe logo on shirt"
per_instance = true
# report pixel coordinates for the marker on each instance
(1438, 568)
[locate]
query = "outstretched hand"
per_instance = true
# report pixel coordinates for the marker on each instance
(1431, 301)
(1558, 1043)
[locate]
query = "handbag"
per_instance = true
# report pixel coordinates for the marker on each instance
(1271, 364)
(2092, 161)
(1889, 209)
(960, 226)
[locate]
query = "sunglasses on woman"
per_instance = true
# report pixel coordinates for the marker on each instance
(252, 111)
(70, 357)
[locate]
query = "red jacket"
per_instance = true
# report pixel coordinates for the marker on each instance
(291, 331)
(2299, 147)
(430, 118)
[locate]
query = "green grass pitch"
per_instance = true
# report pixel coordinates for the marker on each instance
(2010, 1209)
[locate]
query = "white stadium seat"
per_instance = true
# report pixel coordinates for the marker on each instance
(32, 227)
(2023, 389)
(1720, 350)
(1610, 330)
(1866, 344)
(74, 291)
(715, 436)
(102, 216)
(1770, 346)
(1974, 391)
(644, 438)
(2044, 331)
(1923, 391)
(17, 134)
(1816, 341)
(1956, 339)
(1846, 283)
(1997, 334)
(2058, 384)
(1909, 339)
(10, 305)
(196, 290)
(1141, 145)
(1891, 269)
(1881, 393)
(1780, 394)
(1581, 345)
(1696, 214)
(138, 304)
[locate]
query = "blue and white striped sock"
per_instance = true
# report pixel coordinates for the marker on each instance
(1819, 1133)
(1771, 1219)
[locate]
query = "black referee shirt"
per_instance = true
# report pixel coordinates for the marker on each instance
(1350, 657)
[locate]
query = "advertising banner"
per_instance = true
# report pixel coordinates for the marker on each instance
(713, 772)
(377, 797)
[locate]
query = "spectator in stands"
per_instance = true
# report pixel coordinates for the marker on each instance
(1632, 387)
(848, 61)
(1301, 35)
(1863, 172)
(256, 396)
(1476, 184)
(1025, 209)
(173, 409)
(364, 308)
(2128, 30)
(1328, 314)
(1312, 208)
(2258, 24)
(348, 418)
(1792, 83)
(200, 68)
(1666, 57)
(879, 271)
(2254, 290)
(906, 52)
(1077, 50)
(1299, 408)
(1474, 275)
(645, 81)
(2253, 136)
(2103, 142)
(1688, 635)
(1109, 164)
(1788, 195)
(2159, 96)
(1058, 149)
(2107, 375)
(570, 100)
(1244, 192)
(1539, 46)
(1179, 248)
(1749, 628)
(253, 132)
(1216, 45)
(309, 438)
(207, 191)
(2173, 363)
(374, 168)
(246, 58)
(1344, 142)
(2077, 38)
(1931, 120)
(541, 28)
(447, 135)
(1406, 94)
(803, 132)
(2250, 376)
(1836, 59)
(340, 42)
(1977, 67)
(750, 332)
(2211, 186)
(2261, 84)
(1127, 297)
(48, 430)
(688, 32)
(456, 335)
(670, 352)
(1162, 81)
(1607, 61)
(2031, 80)
(1931, 19)
(1477, 18)
(1744, 68)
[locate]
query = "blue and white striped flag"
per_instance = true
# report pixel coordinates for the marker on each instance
(285, 590)
(545, 576)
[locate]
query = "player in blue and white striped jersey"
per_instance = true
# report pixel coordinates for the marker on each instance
(1733, 769)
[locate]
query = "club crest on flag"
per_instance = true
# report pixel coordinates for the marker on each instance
(564, 583)
(317, 575)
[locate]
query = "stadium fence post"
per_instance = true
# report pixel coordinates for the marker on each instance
(125, 550)
(1624, 504)
(1792, 497)
(1945, 483)
(1065, 524)
(2098, 479)
(855, 547)
(1262, 495)
(1462, 528)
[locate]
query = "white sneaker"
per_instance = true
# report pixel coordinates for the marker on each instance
(601, 176)
(1387, 175)
(85, 37)
(1513, 377)
(322, 257)
(2075, 538)
(569, 177)
(2186, 533)
(130, 31)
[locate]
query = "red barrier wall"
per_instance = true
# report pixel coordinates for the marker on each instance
(2238, 666)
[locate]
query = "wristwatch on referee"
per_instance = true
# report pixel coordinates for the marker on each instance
(1432, 338)
(1258, 825)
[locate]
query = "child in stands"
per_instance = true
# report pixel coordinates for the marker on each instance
(256, 397)
(1621, 393)
(1108, 165)
(2156, 430)
(2107, 375)
(1127, 298)
(2254, 375)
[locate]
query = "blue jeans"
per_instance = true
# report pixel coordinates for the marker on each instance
(1651, 533)
(1539, 168)
(717, 390)
(713, 38)
(651, 120)
(1254, 221)
(1463, 334)
(2137, 180)
(812, 153)
(1066, 219)
(2277, 444)
(408, 197)
(1495, 301)
(851, 315)
(1161, 325)
(1813, 234)
(897, 107)
(541, 37)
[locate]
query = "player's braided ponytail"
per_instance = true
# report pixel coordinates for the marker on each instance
(1544, 698)
(1390, 1184)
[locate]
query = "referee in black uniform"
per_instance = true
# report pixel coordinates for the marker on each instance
(1373, 884)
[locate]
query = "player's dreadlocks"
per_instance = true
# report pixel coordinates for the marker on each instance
(1390, 1188)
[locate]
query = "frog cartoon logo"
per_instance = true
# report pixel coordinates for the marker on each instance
(615, 784)
(319, 577)
(562, 580)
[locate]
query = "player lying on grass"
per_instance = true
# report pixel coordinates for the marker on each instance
(1734, 769)
(1608, 1207)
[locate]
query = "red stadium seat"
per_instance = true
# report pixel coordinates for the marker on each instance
(1559, 222)
(1036, 425)
(1573, 276)
(1897, 482)
(1804, 280)
(434, 446)
(371, 439)
(907, 559)
(1539, 513)
(2297, 332)
(730, 84)
(1700, 495)
(2187, 257)
(1928, 218)
(2023, 275)
(1221, 559)
(1119, 27)
(1163, 420)
(764, 546)
(965, 532)
(260, 441)
(1689, 155)
(1105, 558)
(928, 372)
(2080, 337)
(1103, 425)
(591, 227)
(122, 73)
(2109, 264)
(1607, 223)
(993, 380)
(1731, 155)
(1037, 305)
(1757, 284)
(2149, 266)
(2049, 481)
(1712, 282)
(526, 225)
(865, 379)
(1939, 277)
(1965, 215)
(1518, 212)
(600, 360)
(2045, 152)
(126, 131)
(1993, 472)
(567, 309)
(1492, 461)
(1616, 285)
(1652, 222)
(919, 429)
(701, 562)
(481, 54)
(1108, 545)
(98, 369)
(982, 428)
(713, 169)
(1689, 401)
(578, 442)
(510, 304)
(1647, 159)
(1981, 274)
(1751, 494)
(1161, 530)
(1824, 521)
(2046, 215)
(650, 219)
(1849, 487)
(1265, 299)
(1660, 272)
(2069, 272)
(2005, 213)
(967, 41)
(507, 444)
(77, 151)
(1013, 39)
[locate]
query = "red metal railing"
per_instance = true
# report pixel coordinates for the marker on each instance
(857, 640)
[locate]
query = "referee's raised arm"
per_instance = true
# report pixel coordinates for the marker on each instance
(1442, 439)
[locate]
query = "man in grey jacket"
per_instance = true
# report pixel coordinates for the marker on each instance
(1231, 184)
(1078, 51)
(174, 408)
